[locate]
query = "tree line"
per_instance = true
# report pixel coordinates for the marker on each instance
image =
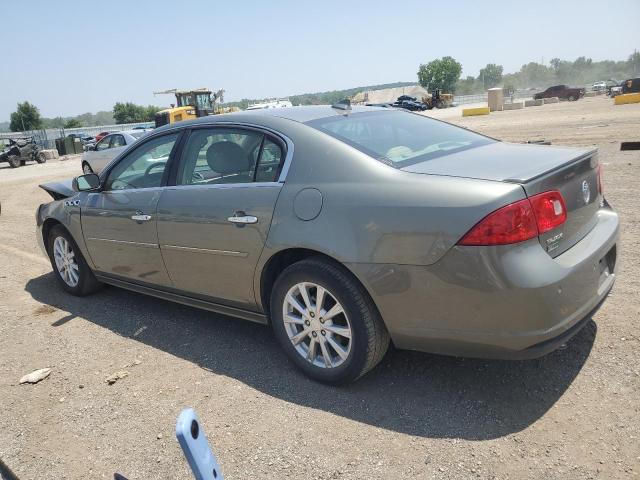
(444, 74)
(27, 117)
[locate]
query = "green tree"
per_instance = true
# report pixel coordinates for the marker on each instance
(467, 86)
(490, 76)
(26, 117)
(634, 63)
(440, 74)
(150, 113)
(72, 123)
(131, 113)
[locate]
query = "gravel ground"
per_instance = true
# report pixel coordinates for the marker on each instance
(570, 415)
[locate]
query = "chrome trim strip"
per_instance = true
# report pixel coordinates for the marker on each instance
(124, 242)
(200, 186)
(228, 253)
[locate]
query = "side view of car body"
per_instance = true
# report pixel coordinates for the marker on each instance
(632, 85)
(108, 148)
(346, 229)
(561, 91)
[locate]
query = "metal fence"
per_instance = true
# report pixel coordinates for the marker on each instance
(46, 138)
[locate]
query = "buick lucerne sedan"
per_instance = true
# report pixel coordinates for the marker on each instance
(345, 229)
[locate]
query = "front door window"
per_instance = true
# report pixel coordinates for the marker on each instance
(144, 167)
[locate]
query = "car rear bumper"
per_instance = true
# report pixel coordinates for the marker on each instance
(496, 302)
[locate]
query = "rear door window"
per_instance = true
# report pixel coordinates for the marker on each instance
(229, 155)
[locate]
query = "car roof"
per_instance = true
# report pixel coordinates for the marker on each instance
(300, 114)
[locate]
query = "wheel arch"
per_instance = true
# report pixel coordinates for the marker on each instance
(47, 225)
(282, 259)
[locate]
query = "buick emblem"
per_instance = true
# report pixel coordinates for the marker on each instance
(586, 192)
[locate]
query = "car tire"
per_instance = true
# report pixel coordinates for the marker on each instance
(14, 161)
(86, 168)
(41, 158)
(571, 98)
(367, 340)
(79, 279)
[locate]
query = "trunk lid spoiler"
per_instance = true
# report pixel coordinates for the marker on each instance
(59, 190)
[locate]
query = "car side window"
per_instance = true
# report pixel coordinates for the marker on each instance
(144, 166)
(219, 156)
(269, 162)
(118, 141)
(103, 144)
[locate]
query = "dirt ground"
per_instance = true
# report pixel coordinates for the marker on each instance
(573, 414)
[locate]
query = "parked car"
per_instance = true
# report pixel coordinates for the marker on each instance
(631, 85)
(100, 154)
(17, 152)
(101, 135)
(9, 153)
(562, 92)
(345, 228)
(411, 105)
(599, 86)
(29, 150)
(615, 91)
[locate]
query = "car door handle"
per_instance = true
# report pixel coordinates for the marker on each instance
(240, 218)
(140, 217)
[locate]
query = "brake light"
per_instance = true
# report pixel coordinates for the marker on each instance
(510, 224)
(549, 209)
(519, 221)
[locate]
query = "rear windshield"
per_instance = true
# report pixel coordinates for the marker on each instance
(399, 138)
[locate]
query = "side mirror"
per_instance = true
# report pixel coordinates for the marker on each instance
(85, 183)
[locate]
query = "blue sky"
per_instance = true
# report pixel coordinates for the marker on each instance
(122, 51)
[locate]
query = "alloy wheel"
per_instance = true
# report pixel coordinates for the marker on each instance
(66, 264)
(317, 325)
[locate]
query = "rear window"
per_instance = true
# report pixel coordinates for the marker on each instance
(399, 138)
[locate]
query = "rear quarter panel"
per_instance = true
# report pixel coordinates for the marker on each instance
(374, 213)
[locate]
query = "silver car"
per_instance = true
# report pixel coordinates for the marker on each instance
(108, 148)
(346, 229)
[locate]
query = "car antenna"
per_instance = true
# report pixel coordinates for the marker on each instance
(344, 104)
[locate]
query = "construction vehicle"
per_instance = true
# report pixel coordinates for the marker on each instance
(438, 100)
(189, 104)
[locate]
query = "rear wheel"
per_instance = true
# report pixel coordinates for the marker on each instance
(69, 265)
(326, 322)
(86, 168)
(14, 161)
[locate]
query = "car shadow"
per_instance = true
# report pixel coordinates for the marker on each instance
(413, 393)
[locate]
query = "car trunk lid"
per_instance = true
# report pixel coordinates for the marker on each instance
(538, 168)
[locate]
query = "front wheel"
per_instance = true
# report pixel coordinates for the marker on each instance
(571, 98)
(41, 157)
(14, 161)
(69, 265)
(326, 322)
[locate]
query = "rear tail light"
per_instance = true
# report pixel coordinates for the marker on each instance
(549, 209)
(519, 221)
(510, 224)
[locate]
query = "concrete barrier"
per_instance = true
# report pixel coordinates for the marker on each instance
(626, 98)
(50, 154)
(468, 112)
(551, 100)
(513, 106)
